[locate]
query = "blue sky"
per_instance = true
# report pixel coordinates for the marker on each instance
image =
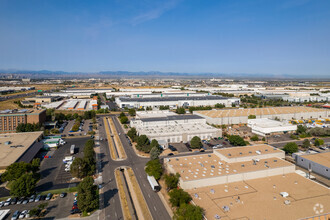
(196, 36)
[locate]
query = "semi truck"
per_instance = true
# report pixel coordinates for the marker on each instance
(153, 183)
(72, 149)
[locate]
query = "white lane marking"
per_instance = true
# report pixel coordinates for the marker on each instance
(116, 214)
(149, 195)
(155, 208)
(144, 185)
(140, 176)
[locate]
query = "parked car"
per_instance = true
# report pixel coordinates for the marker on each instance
(37, 198)
(15, 215)
(32, 198)
(13, 201)
(2, 203)
(20, 201)
(25, 201)
(63, 194)
(7, 202)
(49, 196)
(23, 214)
(172, 148)
(170, 154)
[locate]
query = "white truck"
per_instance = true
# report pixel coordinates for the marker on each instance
(153, 183)
(72, 149)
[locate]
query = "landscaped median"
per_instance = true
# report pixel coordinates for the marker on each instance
(133, 203)
(118, 143)
(110, 141)
(122, 195)
(140, 203)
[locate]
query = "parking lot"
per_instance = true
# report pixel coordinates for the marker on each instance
(57, 207)
(67, 129)
(53, 175)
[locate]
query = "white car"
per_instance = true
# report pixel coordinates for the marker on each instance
(2, 203)
(215, 147)
(23, 214)
(67, 169)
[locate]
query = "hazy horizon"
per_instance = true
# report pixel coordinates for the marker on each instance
(286, 37)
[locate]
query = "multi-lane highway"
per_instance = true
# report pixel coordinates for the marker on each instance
(112, 207)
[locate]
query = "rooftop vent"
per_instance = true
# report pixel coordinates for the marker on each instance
(242, 165)
(229, 154)
(275, 161)
(240, 153)
(212, 191)
(266, 150)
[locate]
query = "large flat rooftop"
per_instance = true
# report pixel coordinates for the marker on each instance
(257, 111)
(172, 118)
(321, 158)
(176, 129)
(168, 99)
(210, 165)
(245, 151)
(21, 111)
(18, 143)
(261, 199)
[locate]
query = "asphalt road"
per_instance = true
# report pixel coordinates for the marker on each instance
(4, 98)
(112, 207)
(299, 142)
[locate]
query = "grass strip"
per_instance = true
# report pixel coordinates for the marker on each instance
(111, 145)
(122, 196)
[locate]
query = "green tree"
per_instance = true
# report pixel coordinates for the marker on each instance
(236, 140)
(87, 195)
(154, 143)
(196, 143)
(89, 156)
(154, 153)
(306, 144)
(132, 112)
(15, 171)
(254, 138)
(154, 168)
(24, 185)
(301, 129)
(178, 197)
(79, 168)
(143, 143)
(180, 110)
(290, 148)
(172, 180)
(252, 117)
(123, 120)
(218, 105)
(188, 212)
(132, 133)
(318, 142)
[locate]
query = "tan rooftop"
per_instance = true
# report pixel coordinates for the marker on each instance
(245, 151)
(257, 111)
(209, 165)
(22, 141)
(321, 158)
(261, 199)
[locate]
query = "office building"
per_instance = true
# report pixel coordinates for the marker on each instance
(9, 119)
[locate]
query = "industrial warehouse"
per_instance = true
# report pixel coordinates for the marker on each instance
(175, 101)
(247, 182)
(16, 147)
(165, 126)
(316, 162)
(240, 116)
(265, 126)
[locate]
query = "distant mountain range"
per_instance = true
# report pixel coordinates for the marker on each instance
(39, 74)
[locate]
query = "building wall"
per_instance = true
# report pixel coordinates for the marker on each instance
(316, 167)
(236, 177)
(9, 122)
(244, 119)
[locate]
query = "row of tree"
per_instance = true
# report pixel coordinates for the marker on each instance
(22, 177)
(123, 118)
(83, 167)
(28, 127)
